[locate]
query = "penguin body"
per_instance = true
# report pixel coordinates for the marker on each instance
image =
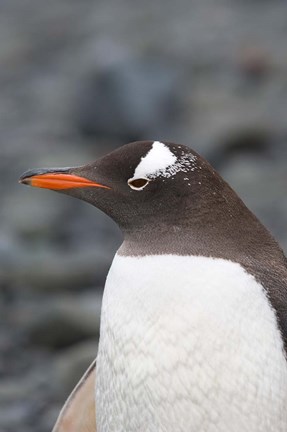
(188, 344)
(194, 318)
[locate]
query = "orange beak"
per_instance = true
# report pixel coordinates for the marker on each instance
(57, 180)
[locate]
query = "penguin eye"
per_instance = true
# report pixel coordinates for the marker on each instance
(138, 184)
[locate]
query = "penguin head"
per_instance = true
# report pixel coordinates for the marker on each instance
(137, 184)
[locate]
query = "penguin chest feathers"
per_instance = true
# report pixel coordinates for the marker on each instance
(188, 344)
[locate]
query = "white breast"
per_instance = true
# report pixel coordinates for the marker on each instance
(188, 344)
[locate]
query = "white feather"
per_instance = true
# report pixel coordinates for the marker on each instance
(161, 162)
(158, 158)
(188, 344)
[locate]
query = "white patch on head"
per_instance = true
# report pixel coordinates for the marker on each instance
(188, 344)
(159, 158)
(161, 162)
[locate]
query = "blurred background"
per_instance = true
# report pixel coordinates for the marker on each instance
(78, 79)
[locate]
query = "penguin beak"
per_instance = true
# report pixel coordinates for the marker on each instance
(57, 179)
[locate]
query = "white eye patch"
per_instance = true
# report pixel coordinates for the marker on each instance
(161, 162)
(159, 158)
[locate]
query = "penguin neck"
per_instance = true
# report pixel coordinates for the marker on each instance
(230, 232)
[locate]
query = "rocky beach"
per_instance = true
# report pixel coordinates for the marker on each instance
(78, 79)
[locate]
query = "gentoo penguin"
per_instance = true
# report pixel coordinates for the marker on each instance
(194, 317)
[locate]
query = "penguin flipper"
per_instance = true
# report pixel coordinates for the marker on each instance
(79, 412)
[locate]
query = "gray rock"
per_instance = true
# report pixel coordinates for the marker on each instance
(13, 415)
(132, 100)
(50, 415)
(51, 270)
(262, 187)
(24, 398)
(63, 322)
(28, 385)
(70, 366)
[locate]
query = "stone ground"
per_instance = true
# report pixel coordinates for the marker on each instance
(80, 78)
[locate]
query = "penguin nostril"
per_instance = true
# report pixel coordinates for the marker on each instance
(138, 184)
